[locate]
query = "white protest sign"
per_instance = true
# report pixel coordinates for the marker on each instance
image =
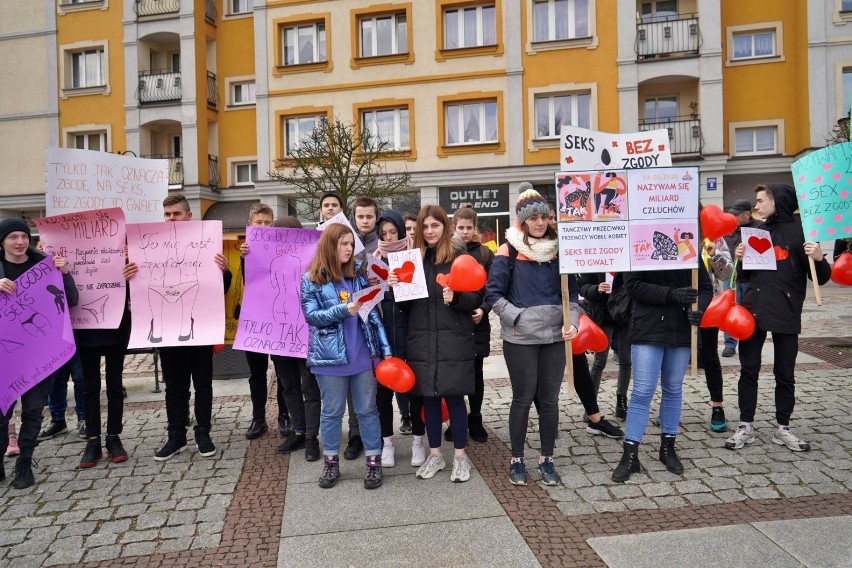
(340, 219)
(594, 246)
(408, 267)
(608, 278)
(670, 193)
(83, 180)
(759, 252)
(377, 267)
(369, 298)
(581, 149)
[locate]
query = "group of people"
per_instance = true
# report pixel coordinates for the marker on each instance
(445, 337)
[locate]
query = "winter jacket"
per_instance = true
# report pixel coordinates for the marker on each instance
(395, 319)
(324, 314)
(72, 296)
(735, 238)
(841, 246)
(775, 297)
(596, 300)
(482, 330)
(441, 344)
(656, 318)
(719, 266)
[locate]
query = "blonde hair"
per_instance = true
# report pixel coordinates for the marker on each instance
(325, 266)
(444, 248)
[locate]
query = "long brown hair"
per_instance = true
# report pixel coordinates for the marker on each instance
(466, 212)
(325, 267)
(444, 248)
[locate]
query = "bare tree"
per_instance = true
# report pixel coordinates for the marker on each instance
(335, 156)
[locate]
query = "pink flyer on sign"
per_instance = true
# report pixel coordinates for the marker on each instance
(664, 245)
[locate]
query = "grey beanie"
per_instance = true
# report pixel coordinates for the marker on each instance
(530, 202)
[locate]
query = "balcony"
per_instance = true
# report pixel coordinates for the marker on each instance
(667, 36)
(213, 171)
(158, 87)
(212, 91)
(685, 138)
(175, 167)
(210, 11)
(155, 7)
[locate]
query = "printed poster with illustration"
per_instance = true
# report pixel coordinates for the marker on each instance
(408, 267)
(582, 150)
(664, 245)
(823, 182)
(591, 196)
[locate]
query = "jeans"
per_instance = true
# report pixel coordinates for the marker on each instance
(384, 404)
(740, 291)
(301, 394)
(650, 363)
(258, 365)
(333, 391)
(418, 426)
(624, 368)
(182, 366)
(114, 358)
(786, 347)
(458, 420)
(57, 400)
(32, 406)
(478, 395)
(708, 354)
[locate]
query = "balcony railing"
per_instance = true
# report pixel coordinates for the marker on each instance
(212, 91)
(667, 36)
(155, 7)
(210, 11)
(175, 167)
(158, 87)
(685, 137)
(213, 171)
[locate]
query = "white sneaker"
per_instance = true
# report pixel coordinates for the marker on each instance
(743, 435)
(461, 470)
(433, 465)
(418, 454)
(388, 455)
(783, 437)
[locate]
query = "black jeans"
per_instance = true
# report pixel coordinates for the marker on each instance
(786, 347)
(114, 365)
(32, 407)
(478, 395)
(182, 366)
(708, 353)
(301, 393)
(418, 426)
(624, 365)
(583, 384)
(384, 404)
(535, 372)
(258, 365)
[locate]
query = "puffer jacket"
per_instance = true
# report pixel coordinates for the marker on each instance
(482, 330)
(325, 314)
(719, 266)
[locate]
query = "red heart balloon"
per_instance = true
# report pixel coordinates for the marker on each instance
(714, 315)
(589, 337)
(395, 374)
(759, 244)
(781, 254)
(379, 271)
(466, 274)
(405, 273)
(841, 270)
(445, 412)
(715, 223)
(739, 323)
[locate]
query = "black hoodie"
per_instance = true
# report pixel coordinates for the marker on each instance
(775, 298)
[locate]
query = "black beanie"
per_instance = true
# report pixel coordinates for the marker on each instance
(11, 225)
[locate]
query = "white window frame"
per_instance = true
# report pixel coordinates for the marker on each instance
(70, 134)
(843, 68)
(734, 127)
(318, 30)
(551, 20)
(249, 86)
(752, 36)
(102, 136)
(656, 99)
(397, 47)
(82, 56)
(368, 122)
(66, 68)
(575, 106)
(777, 30)
(301, 130)
(245, 5)
(459, 10)
(252, 167)
(458, 107)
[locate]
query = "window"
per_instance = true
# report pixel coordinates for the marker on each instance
(242, 93)
(471, 122)
(846, 6)
(304, 44)
(297, 129)
(245, 174)
(756, 141)
(560, 19)
(471, 26)
(388, 125)
(383, 35)
(89, 141)
(239, 6)
(659, 11)
(754, 45)
(846, 97)
(552, 112)
(660, 109)
(87, 69)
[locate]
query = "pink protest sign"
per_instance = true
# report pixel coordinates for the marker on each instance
(824, 189)
(93, 244)
(177, 297)
(587, 196)
(35, 331)
(664, 244)
(271, 318)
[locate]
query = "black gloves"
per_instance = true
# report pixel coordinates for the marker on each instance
(684, 296)
(694, 317)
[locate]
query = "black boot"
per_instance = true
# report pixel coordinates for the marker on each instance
(205, 445)
(621, 406)
(91, 454)
(174, 445)
(476, 429)
(23, 473)
(668, 456)
(629, 462)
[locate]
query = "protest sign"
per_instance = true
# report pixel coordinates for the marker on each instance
(663, 244)
(82, 180)
(377, 268)
(271, 317)
(177, 297)
(588, 246)
(408, 266)
(93, 244)
(759, 253)
(341, 219)
(591, 196)
(584, 150)
(823, 182)
(369, 298)
(35, 331)
(665, 193)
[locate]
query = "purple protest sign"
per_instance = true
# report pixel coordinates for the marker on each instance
(35, 331)
(93, 244)
(271, 318)
(177, 297)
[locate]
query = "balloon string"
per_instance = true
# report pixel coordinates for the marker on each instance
(734, 274)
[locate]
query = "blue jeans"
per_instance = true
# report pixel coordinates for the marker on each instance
(740, 291)
(57, 400)
(333, 396)
(652, 362)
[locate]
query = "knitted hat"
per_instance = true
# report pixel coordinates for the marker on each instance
(530, 203)
(11, 225)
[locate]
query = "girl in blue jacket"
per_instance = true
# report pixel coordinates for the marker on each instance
(341, 348)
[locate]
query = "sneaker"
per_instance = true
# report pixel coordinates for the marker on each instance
(388, 455)
(477, 431)
(123, 393)
(81, 429)
(461, 469)
(518, 472)
(783, 437)
(312, 449)
(373, 477)
(418, 454)
(115, 449)
(433, 464)
(548, 472)
(291, 443)
(742, 436)
(174, 445)
(203, 443)
(23, 473)
(92, 454)
(604, 428)
(729, 352)
(717, 420)
(285, 427)
(405, 426)
(330, 472)
(52, 430)
(256, 429)
(353, 448)
(448, 435)
(12, 449)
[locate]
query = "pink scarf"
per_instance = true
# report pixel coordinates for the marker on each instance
(384, 247)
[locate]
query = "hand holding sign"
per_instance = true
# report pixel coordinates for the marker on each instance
(367, 299)
(406, 275)
(758, 253)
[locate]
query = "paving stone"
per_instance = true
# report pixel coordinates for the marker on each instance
(80, 528)
(595, 493)
(67, 543)
(139, 549)
(10, 536)
(683, 487)
(37, 542)
(182, 518)
(130, 510)
(760, 493)
(175, 545)
(116, 527)
(669, 502)
(209, 528)
(138, 536)
(100, 539)
(206, 541)
(191, 504)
